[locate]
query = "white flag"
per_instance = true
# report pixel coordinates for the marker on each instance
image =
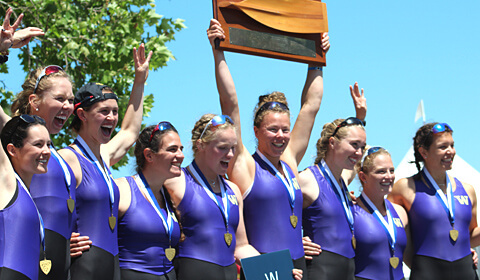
(420, 112)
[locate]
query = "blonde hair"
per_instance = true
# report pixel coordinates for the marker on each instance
(21, 104)
(209, 134)
(327, 132)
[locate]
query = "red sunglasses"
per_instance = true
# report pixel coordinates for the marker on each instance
(45, 72)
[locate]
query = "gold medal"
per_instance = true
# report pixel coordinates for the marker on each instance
(394, 261)
(170, 253)
(454, 234)
(71, 204)
(46, 265)
(112, 221)
(228, 238)
(354, 242)
(294, 220)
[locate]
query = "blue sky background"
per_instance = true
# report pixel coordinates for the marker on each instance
(399, 51)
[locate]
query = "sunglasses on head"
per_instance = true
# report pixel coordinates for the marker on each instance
(25, 119)
(45, 72)
(271, 106)
(216, 121)
(370, 151)
(440, 127)
(346, 122)
(161, 126)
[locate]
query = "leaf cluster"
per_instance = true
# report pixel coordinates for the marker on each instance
(93, 41)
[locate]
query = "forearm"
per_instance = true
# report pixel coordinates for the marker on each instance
(225, 86)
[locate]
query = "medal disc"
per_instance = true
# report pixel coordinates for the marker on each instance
(170, 253)
(294, 221)
(112, 221)
(71, 205)
(228, 238)
(46, 265)
(354, 242)
(454, 234)
(394, 261)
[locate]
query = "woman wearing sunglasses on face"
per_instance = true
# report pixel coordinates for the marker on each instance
(96, 116)
(210, 207)
(379, 224)
(148, 231)
(442, 210)
(327, 214)
(25, 152)
(272, 197)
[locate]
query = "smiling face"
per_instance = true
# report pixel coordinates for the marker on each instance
(99, 121)
(217, 153)
(273, 134)
(168, 160)
(378, 181)
(441, 152)
(32, 157)
(55, 105)
(349, 150)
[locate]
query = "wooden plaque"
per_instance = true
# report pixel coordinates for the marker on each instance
(282, 29)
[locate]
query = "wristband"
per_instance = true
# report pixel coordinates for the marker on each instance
(315, 68)
(3, 59)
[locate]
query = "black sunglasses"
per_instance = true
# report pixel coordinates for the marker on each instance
(346, 122)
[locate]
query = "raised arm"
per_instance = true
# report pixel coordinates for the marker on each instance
(310, 104)
(360, 104)
(9, 38)
(241, 168)
(118, 146)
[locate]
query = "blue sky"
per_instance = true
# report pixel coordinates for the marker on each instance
(399, 51)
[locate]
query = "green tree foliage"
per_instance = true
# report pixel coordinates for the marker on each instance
(93, 40)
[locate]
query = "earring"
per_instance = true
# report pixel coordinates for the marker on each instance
(36, 109)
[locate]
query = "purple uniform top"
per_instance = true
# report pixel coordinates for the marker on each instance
(20, 235)
(142, 238)
(324, 220)
(50, 193)
(93, 207)
(372, 256)
(204, 226)
(267, 211)
(430, 226)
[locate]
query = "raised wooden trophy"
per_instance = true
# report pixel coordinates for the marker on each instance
(281, 29)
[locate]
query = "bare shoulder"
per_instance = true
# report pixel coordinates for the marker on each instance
(242, 171)
(403, 192)
(309, 187)
(71, 158)
(125, 195)
(176, 187)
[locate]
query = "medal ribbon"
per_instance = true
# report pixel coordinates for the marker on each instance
(341, 193)
(387, 225)
(42, 225)
(198, 175)
(447, 202)
(167, 221)
(287, 181)
(63, 165)
(104, 170)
